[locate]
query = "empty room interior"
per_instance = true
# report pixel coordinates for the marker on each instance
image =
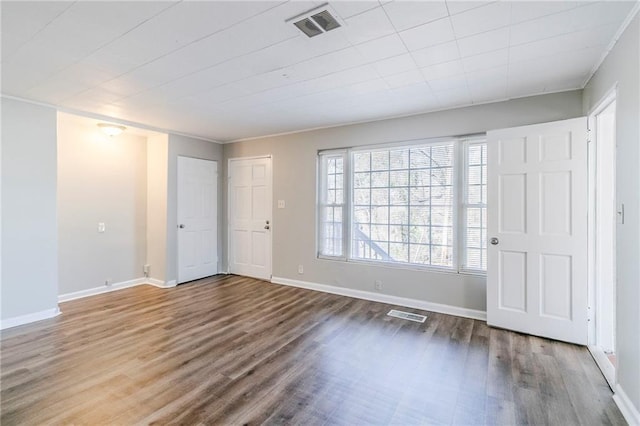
(310, 212)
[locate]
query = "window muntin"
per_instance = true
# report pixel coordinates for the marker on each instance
(413, 205)
(402, 207)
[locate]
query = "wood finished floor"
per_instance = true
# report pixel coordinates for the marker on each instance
(233, 350)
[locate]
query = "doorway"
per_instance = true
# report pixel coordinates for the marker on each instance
(250, 217)
(602, 242)
(197, 219)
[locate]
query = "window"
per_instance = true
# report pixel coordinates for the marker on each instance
(475, 206)
(332, 204)
(409, 205)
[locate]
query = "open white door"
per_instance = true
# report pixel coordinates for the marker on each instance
(537, 227)
(250, 217)
(197, 219)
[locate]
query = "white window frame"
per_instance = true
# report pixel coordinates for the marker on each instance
(459, 182)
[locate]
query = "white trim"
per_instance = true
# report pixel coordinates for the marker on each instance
(29, 318)
(630, 413)
(385, 298)
(161, 284)
(605, 366)
(99, 290)
(613, 42)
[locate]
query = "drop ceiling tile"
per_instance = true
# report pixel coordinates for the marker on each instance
(404, 79)
(448, 83)
(430, 34)
(598, 13)
(481, 19)
(484, 42)
(458, 6)
(527, 10)
(32, 64)
(409, 14)
(486, 60)
(541, 28)
(326, 64)
(565, 42)
(453, 97)
(395, 65)
(445, 69)
(489, 92)
(347, 9)
(580, 18)
(21, 22)
(382, 48)
(437, 54)
(368, 26)
(488, 76)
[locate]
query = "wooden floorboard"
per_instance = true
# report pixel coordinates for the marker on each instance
(235, 350)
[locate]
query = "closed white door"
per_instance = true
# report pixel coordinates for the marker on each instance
(197, 218)
(537, 228)
(250, 217)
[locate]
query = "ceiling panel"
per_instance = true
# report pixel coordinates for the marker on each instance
(409, 14)
(429, 34)
(481, 19)
(227, 70)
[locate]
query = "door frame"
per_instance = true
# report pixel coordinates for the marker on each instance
(601, 359)
(228, 187)
(177, 213)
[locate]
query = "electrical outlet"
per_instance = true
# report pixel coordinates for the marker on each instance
(101, 227)
(377, 284)
(300, 269)
(145, 269)
(281, 204)
(108, 282)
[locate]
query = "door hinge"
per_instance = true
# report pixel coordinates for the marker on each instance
(588, 135)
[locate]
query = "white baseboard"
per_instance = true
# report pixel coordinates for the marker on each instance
(26, 319)
(385, 298)
(102, 289)
(116, 286)
(160, 283)
(629, 411)
(605, 366)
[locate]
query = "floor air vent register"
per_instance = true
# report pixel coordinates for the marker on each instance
(407, 315)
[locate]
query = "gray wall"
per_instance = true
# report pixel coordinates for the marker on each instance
(29, 229)
(195, 148)
(622, 66)
(157, 154)
(294, 180)
(100, 179)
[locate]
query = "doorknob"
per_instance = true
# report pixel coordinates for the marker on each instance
(266, 227)
(494, 241)
(181, 226)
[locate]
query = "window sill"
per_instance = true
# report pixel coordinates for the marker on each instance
(408, 267)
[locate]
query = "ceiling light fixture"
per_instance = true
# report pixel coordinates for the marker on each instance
(111, 129)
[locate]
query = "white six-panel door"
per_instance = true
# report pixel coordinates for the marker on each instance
(537, 228)
(197, 218)
(250, 217)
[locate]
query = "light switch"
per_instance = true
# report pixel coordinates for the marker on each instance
(101, 227)
(281, 204)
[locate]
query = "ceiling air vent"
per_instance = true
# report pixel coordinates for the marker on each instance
(316, 22)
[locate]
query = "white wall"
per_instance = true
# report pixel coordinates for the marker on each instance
(29, 231)
(294, 180)
(100, 179)
(622, 67)
(195, 148)
(157, 162)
